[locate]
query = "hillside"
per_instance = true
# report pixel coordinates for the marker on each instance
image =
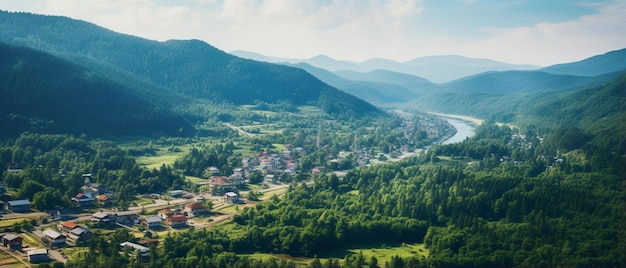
(595, 109)
(508, 82)
(614, 61)
(44, 93)
(192, 67)
(377, 93)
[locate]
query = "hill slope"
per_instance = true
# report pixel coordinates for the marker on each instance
(192, 67)
(610, 62)
(44, 93)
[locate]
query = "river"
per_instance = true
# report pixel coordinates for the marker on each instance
(464, 130)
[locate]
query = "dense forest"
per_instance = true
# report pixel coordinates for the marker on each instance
(189, 67)
(500, 199)
(43, 93)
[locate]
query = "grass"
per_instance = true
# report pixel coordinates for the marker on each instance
(10, 222)
(7, 260)
(73, 252)
(197, 180)
(278, 192)
(31, 240)
(162, 157)
(382, 252)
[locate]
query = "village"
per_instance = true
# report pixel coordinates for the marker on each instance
(55, 231)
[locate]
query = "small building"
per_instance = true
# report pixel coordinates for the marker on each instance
(84, 200)
(78, 236)
(194, 209)
(18, 205)
(12, 241)
(153, 222)
(144, 252)
(220, 185)
(38, 255)
(127, 217)
(271, 178)
(67, 226)
(164, 213)
(176, 193)
(14, 168)
(55, 238)
(231, 198)
(176, 221)
(103, 218)
(59, 214)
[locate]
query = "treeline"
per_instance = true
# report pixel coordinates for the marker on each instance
(53, 165)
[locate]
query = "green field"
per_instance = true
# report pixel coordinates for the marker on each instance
(382, 252)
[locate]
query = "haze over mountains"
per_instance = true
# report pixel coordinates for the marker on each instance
(438, 69)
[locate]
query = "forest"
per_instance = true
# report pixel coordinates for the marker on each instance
(500, 199)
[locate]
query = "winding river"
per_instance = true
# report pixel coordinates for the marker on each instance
(464, 129)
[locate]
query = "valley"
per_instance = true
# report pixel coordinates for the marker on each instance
(119, 151)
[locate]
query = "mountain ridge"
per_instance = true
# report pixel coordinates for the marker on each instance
(191, 67)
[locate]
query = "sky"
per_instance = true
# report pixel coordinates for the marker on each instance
(540, 32)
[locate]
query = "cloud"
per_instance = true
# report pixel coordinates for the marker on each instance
(548, 43)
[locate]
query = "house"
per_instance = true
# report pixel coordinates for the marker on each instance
(103, 218)
(12, 241)
(78, 236)
(219, 185)
(164, 213)
(84, 200)
(144, 252)
(176, 221)
(271, 178)
(194, 209)
(103, 200)
(153, 222)
(59, 214)
(231, 198)
(14, 168)
(55, 238)
(127, 217)
(38, 255)
(18, 205)
(67, 226)
(237, 180)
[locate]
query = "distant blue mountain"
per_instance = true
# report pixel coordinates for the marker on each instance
(610, 62)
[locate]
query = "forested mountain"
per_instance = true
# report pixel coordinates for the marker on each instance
(378, 93)
(384, 76)
(191, 67)
(439, 69)
(41, 92)
(599, 110)
(614, 61)
(509, 82)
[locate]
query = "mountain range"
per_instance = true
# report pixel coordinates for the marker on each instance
(187, 70)
(438, 69)
(163, 79)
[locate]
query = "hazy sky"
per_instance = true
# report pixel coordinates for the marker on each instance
(541, 32)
